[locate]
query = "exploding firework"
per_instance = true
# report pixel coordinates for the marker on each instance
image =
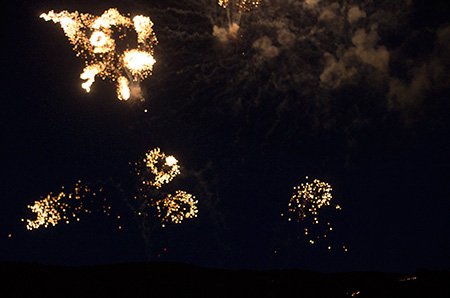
(103, 44)
(158, 169)
(64, 207)
(310, 197)
(154, 171)
(152, 205)
(306, 205)
(178, 207)
(49, 211)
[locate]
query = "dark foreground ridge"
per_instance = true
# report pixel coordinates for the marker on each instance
(181, 280)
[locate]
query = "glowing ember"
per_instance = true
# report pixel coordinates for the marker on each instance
(93, 40)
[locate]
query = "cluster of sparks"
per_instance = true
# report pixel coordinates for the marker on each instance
(154, 171)
(163, 168)
(176, 208)
(100, 41)
(304, 206)
(310, 197)
(49, 211)
(242, 5)
(64, 206)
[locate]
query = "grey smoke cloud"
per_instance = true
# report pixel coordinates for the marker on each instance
(291, 56)
(226, 34)
(347, 63)
(266, 48)
(355, 14)
(329, 12)
(311, 3)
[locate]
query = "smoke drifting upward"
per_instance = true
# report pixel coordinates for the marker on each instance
(267, 50)
(355, 13)
(292, 70)
(226, 34)
(350, 62)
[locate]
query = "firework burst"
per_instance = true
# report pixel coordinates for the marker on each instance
(103, 44)
(307, 206)
(65, 206)
(152, 205)
(49, 211)
(154, 171)
(176, 208)
(157, 169)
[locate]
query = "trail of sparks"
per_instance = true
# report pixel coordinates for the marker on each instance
(103, 44)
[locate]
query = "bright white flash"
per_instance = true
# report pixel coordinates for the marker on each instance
(138, 61)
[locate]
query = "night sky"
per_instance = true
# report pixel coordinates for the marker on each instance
(353, 93)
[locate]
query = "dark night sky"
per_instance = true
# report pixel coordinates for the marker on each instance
(358, 98)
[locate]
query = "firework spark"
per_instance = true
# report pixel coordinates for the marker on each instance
(152, 205)
(65, 206)
(178, 207)
(305, 205)
(49, 211)
(154, 171)
(101, 42)
(310, 197)
(163, 168)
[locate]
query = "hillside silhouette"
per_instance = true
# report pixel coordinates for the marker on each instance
(164, 279)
